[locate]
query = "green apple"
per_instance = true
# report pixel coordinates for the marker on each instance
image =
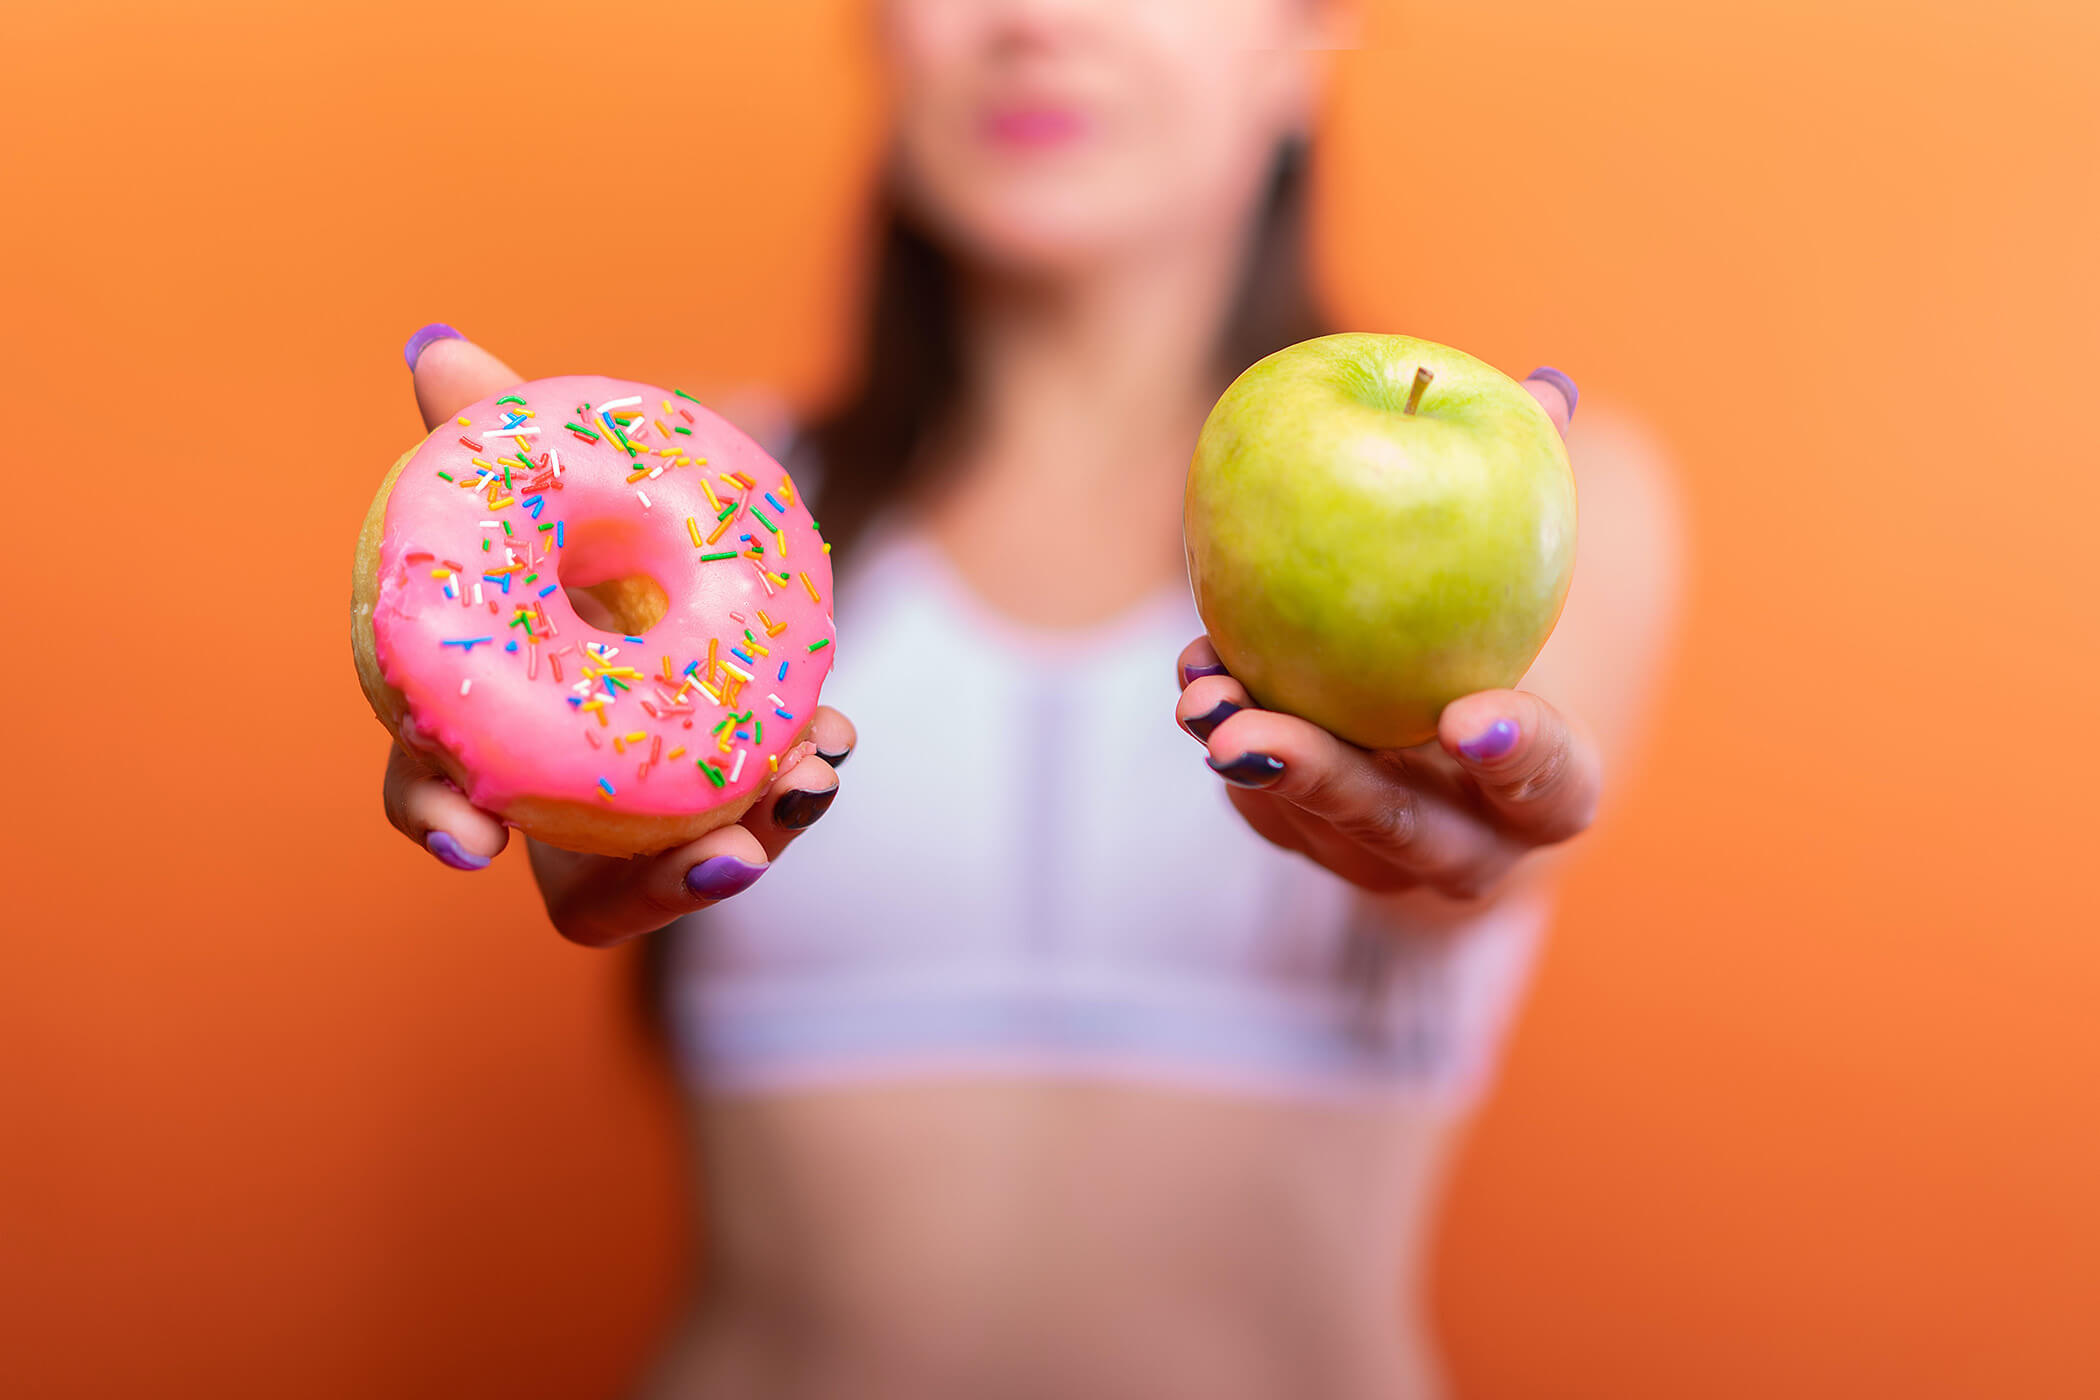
(1377, 525)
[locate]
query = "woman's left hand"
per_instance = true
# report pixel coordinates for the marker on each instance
(1506, 774)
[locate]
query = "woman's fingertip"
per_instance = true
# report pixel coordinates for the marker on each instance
(835, 759)
(798, 808)
(1204, 725)
(426, 337)
(1492, 742)
(447, 849)
(1249, 770)
(719, 877)
(1546, 374)
(1191, 674)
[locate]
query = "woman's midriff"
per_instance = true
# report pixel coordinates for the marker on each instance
(1031, 1239)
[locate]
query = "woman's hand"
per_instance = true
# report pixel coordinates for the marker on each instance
(598, 900)
(1506, 774)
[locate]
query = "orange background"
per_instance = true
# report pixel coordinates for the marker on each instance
(1804, 1102)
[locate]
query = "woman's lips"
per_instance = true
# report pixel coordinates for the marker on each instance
(1034, 128)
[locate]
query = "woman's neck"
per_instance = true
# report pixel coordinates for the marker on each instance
(1060, 501)
(1098, 371)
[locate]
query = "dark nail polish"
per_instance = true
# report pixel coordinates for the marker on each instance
(800, 807)
(719, 877)
(1191, 673)
(441, 845)
(1561, 382)
(1249, 770)
(1203, 726)
(423, 339)
(835, 759)
(1492, 742)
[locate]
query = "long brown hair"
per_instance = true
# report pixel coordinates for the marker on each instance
(912, 374)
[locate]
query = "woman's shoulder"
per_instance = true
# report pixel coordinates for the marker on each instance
(1624, 456)
(1605, 656)
(1630, 505)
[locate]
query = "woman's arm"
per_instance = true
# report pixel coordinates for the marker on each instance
(1434, 833)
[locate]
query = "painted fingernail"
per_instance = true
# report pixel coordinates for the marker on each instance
(1191, 673)
(719, 877)
(441, 845)
(1202, 726)
(1249, 770)
(1561, 382)
(423, 339)
(800, 807)
(835, 759)
(1492, 742)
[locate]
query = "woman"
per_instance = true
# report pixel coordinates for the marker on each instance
(1047, 1069)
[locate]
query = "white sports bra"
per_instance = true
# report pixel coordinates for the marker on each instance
(1030, 871)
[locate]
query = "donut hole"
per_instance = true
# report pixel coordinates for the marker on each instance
(603, 590)
(629, 606)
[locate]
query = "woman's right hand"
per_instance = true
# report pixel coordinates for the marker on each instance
(598, 900)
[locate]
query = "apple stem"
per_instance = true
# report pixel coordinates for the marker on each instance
(1414, 392)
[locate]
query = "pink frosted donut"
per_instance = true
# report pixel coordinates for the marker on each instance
(706, 586)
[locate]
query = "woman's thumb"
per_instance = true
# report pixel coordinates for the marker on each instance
(452, 372)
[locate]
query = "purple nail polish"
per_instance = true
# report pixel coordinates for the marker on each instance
(719, 877)
(441, 845)
(1191, 673)
(423, 339)
(1492, 742)
(1249, 770)
(1561, 382)
(1203, 726)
